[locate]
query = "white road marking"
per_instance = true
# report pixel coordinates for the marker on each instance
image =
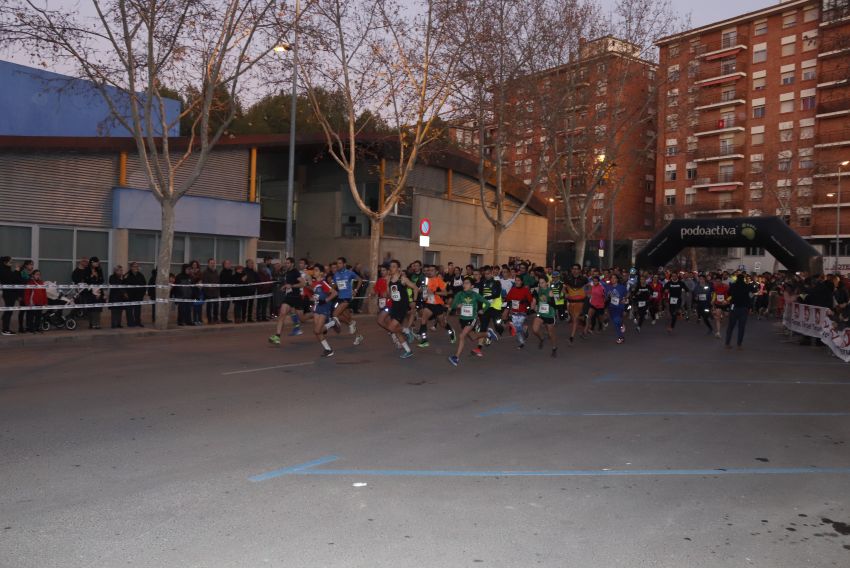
(304, 364)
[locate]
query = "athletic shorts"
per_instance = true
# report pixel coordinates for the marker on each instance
(294, 302)
(323, 310)
(398, 313)
(436, 309)
(547, 321)
(489, 315)
(467, 323)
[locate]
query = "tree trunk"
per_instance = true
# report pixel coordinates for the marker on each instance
(497, 238)
(581, 248)
(374, 252)
(163, 264)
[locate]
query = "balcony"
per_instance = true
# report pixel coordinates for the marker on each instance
(834, 78)
(720, 72)
(719, 126)
(722, 152)
(826, 170)
(833, 138)
(833, 107)
(835, 15)
(834, 47)
(726, 46)
(712, 98)
(722, 181)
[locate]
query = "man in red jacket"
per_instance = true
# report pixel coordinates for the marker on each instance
(35, 297)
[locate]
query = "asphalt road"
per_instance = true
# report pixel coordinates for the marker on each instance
(218, 450)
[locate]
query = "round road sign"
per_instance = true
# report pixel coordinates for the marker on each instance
(425, 227)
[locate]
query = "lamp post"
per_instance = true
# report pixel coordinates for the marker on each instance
(290, 186)
(843, 164)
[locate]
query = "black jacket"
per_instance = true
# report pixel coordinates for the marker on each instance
(227, 276)
(183, 292)
(739, 292)
(117, 294)
(137, 279)
(9, 276)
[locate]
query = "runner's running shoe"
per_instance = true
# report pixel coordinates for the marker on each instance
(274, 340)
(454, 360)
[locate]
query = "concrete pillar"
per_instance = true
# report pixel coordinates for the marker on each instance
(250, 249)
(120, 248)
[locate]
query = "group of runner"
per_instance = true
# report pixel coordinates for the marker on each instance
(488, 301)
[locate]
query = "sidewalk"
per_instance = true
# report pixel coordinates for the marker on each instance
(83, 334)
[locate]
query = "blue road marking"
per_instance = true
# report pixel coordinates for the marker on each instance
(292, 470)
(308, 469)
(516, 411)
(612, 378)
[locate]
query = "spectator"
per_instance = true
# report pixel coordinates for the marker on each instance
(136, 294)
(35, 297)
(226, 278)
(117, 295)
(239, 306)
(10, 277)
(79, 273)
(182, 292)
(25, 272)
(250, 278)
(263, 275)
(211, 293)
(93, 294)
(197, 292)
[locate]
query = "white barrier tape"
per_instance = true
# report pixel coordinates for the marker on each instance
(119, 286)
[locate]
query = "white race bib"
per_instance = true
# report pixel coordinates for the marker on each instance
(543, 308)
(615, 300)
(641, 304)
(395, 294)
(655, 294)
(674, 301)
(514, 304)
(315, 297)
(382, 303)
(458, 283)
(721, 298)
(342, 284)
(702, 297)
(466, 310)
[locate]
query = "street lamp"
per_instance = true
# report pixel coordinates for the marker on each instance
(843, 164)
(290, 186)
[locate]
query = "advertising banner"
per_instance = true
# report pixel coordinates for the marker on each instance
(814, 322)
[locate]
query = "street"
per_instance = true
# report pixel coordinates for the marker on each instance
(218, 450)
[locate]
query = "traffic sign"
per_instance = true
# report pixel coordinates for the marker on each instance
(424, 241)
(425, 227)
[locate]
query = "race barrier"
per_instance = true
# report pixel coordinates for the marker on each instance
(814, 321)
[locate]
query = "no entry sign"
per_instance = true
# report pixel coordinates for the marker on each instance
(425, 227)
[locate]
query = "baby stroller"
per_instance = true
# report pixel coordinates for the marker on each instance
(60, 314)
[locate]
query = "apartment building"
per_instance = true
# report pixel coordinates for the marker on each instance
(606, 128)
(755, 120)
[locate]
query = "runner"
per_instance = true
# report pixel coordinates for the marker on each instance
(346, 281)
(434, 306)
(575, 283)
(543, 304)
(323, 295)
(399, 284)
(720, 302)
(381, 293)
(655, 299)
(702, 299)
(519, 300)
(674, 289)
(616, 294)
(491, 290)
(469, 301)
(597, 298)
(641, 295)
(292, 286)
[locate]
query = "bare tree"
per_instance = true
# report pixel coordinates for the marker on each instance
(384, 61)
(131, 50)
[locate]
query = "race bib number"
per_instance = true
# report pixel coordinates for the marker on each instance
(458, 283)
(466, 310)
(514, 304)
(641, 304)
(395, 294)
(316, 298)
(721, 298)
(543, 309)
(382, 303)
(615, 300)
(342, 285)
(655, 294)
(702, 297)
(674, 301)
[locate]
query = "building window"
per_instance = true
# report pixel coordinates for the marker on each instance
(786, 106)
(804, 191)
(760, 28)
(758, 111)
(810, 14)
(807, 103)
(786, 135)
(669, 200)
(788, 78)
(809, 74)
(753, 251)
(726, 173)
(807, 163)
(674, 50)
(758, 139)
(760, 55)
(691, 173)
(756, 167)
(670, 175)
(759, 83)
(431, 257)
(789, 20)
(17, 243)
(789, 49)
(399, 223)
(476, 260)
(756, 195)
(804, 220)
(672, 150)
(807, 132)
(59, 250)
(784, 164)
